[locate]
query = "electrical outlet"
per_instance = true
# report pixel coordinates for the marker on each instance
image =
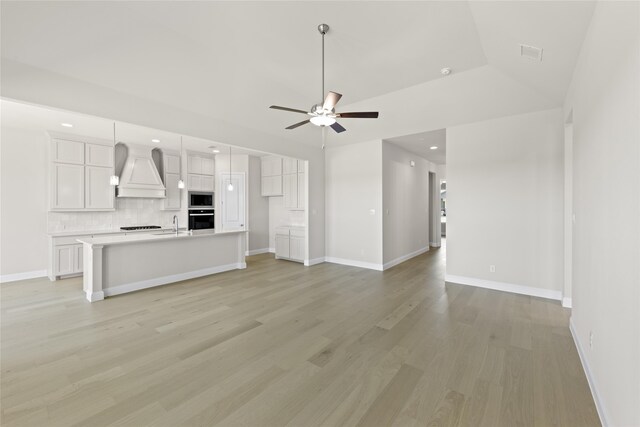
(591, 340)
(492, 269)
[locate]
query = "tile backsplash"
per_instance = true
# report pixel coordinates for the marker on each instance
(128, 212)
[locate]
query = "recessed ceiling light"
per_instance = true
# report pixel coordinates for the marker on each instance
(155, 140)
(67, 125)
(445, 71)
(433, 147)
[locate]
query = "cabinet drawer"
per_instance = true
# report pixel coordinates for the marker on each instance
(282, 231)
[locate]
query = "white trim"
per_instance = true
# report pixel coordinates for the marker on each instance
(404, 258)
(506, 287)
(566, 302)
(314, 261)
(94, 296)
(272, 250)
(434, 244)
(602, 413)
(353, 263)
(256, 251)
(22, 276)
(158, 281)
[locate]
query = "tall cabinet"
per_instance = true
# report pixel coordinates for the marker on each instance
(80, 173)
(293, 184)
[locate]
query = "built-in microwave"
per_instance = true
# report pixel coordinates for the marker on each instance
(201, 219)
(200, 200)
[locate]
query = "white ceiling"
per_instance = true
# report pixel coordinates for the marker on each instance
(18, 115)
(231, 60)
(421, 143)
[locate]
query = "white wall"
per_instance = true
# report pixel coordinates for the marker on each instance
(505, 200)
(353, 186)
(23, 210)
(258, 208)
(604, 99)
(405, 193)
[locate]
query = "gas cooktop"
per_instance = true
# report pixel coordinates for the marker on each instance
(140, 227)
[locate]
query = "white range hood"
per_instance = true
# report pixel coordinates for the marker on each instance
(140, 177)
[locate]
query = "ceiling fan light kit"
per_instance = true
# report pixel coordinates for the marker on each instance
(324, 114)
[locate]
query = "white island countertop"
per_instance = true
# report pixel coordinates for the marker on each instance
(148, 237)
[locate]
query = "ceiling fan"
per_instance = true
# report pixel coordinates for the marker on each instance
(324, 114)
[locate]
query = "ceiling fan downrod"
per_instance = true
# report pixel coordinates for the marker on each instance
(323, 29)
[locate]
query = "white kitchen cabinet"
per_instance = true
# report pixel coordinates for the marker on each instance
(194, 182)
(171, 164)
(207, 183)
(194, 164)
(290, 191)
(272, 185)
(296, 248)
(68, 186)
(99, 194)
(290, 243)
(68, 151)
(67, 259)
(98, 155)
(282, 246)
(271, 166)
(301, 191)
(208, 167)
(289, 166)
(172, 201)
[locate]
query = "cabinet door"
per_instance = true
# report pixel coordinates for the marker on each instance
(207, 166)
(63, 260)
(77, 258)
(98, 192)
(194, 182)
(301, 192)
(207, 183)
(301, 168)
(173, 192)
(171, 164)
(289, 166)
(282, 246)
(68, 186)
(290, 190)
(265, 166)
(98, 155)
(68, 151)
(296, 248)
(194, 164)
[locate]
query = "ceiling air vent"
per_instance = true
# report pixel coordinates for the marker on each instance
(531, 53)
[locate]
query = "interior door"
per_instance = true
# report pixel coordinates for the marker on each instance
(232, 202)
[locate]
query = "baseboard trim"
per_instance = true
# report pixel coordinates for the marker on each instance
(354, 263)
(602, 413)
(404, 258)
(314, 261)
(272, 250)
(505, 287)
(159, 281)
(257, 251)
(566, 302)
(434, 244)
(6, 278)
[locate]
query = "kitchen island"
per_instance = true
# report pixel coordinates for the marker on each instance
(116, 265)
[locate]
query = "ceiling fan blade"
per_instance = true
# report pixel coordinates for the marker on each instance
(304, 122)
(337, 127)
(361, 115)
(331, 100)
(294, 110)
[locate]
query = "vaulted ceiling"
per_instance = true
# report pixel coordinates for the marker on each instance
(231, 60)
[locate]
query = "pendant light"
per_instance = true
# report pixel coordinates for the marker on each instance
(181, 181)
(114, 180)
(230, 186)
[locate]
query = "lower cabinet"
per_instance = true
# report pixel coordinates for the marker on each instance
(67, 259)
(290, 243)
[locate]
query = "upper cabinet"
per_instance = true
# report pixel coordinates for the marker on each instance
(200, 172)
(80, 173)
(293, 184)
(171, 175)
(271, 176)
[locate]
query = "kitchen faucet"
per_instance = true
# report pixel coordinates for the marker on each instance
(175, 222)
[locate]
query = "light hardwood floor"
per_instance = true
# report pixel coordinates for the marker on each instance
(280, 344)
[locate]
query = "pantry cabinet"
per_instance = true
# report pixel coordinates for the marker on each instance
(293, 184)
(271, 171)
